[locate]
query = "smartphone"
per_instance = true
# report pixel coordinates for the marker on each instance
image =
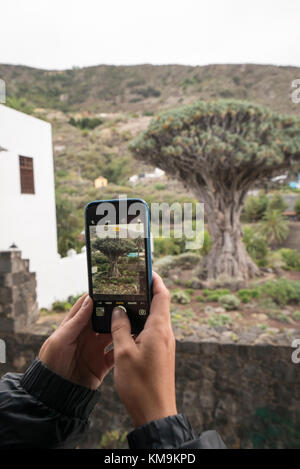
(119, 261)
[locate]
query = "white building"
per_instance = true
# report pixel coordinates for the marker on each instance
(27, 206)
(157, 174)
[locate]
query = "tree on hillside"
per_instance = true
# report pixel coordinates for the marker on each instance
(220, 150)
(113, 249)
(68, 225)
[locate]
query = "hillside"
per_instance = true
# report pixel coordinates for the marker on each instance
(149, 88)
(122, 100)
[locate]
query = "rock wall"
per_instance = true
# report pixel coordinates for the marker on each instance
(18, 305)
(250, 394)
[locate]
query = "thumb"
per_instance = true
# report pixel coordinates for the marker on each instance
(120, 330)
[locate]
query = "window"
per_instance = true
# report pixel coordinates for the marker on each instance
(26, 175)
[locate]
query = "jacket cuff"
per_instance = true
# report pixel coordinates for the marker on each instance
(58, 393)
(170, 432)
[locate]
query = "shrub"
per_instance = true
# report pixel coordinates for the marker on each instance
(219, 320)
(229, 302)
(129, 280)
(277, 202)
(61, 306)
(146, 92)
(256, 244)
(186, 260)
(275, 260)
(136, 82)
(159, 186)
(167, 246)
(282, 291)
(199, 298)
(255, 207)
(246, 295)
(214, 295)
(267, 303)
(85, 122)
(291, 259)
(296, 315)
(180, 297)
(207, 244)
(279, 316)
(188, 284)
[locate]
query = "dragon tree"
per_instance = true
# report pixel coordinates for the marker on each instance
(113, 249)
(221, 149)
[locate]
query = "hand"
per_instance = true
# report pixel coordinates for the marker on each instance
(144, 369)
(74, 351)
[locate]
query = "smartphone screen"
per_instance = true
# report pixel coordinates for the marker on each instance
(119, 261)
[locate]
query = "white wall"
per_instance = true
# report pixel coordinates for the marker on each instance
(62, 278)
(29, 220)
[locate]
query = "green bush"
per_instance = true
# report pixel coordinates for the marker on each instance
(279, 316)
(86, 123)
(180, 297)
(296, 315)
(255, 207)
(277, 202)
(185, 261)
(159, 186)
(199, 298)
(207, 244)
(167, 246)
(214, 295)
(282, 291)
(246, 295)
(188, 283)
(129, 280)
(256, 245)
(229, 302)
(146, 92)
(291, 259)
(219, 320)
(61, 306)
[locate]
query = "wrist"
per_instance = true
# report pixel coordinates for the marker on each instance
(149, 415)
(170, 432)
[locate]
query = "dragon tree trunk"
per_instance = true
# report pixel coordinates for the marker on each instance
(228, 255)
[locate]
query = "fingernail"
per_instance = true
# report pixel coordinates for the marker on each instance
(119, 312)
(86, 302)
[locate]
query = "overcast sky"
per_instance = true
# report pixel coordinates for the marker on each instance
(58, 34)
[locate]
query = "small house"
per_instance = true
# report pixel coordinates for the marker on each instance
(100, 182)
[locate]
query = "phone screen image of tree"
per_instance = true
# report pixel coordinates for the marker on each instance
(118, 264)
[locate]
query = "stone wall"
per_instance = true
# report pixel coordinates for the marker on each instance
(292, 241)
(18, 305)
(250, 394)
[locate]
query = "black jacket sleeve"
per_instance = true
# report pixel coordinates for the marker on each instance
(171, 433)
(41, 409)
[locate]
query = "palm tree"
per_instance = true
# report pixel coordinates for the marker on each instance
(274, 227)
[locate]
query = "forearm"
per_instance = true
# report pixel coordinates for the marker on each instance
(42, 409)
